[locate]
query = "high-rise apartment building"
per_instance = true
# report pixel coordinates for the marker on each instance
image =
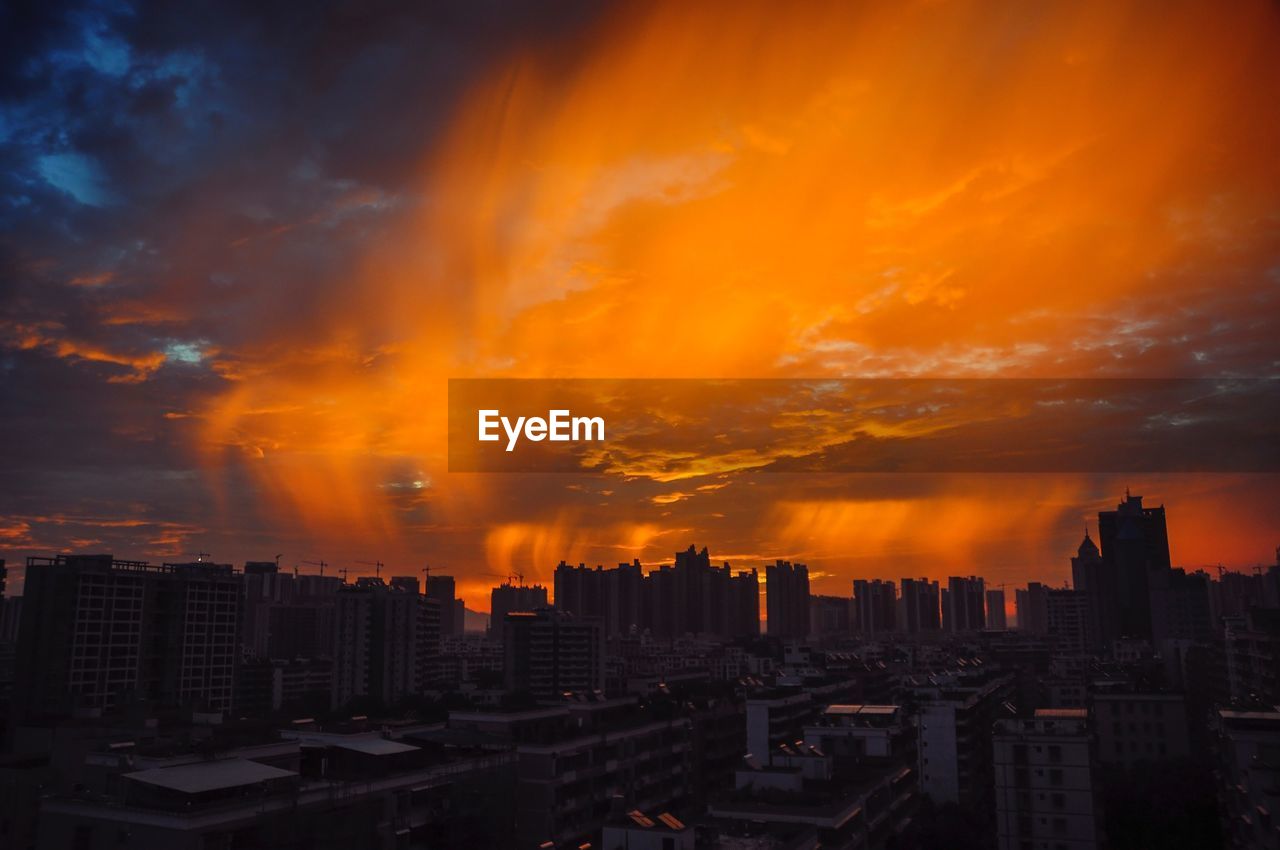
(286, 615)
(1032, 608)
(829, 616)
(875, 606)
(996, 616)
(98, 634)
(920, 606)
(385, 638)
(1070, 621)
(964, 604)
(787, 599)
(548, 653)
(508, 597)
(443, 590)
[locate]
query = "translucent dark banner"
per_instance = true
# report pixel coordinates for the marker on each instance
(668, 429)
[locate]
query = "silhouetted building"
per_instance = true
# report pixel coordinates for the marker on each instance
(689, 597)
(875, 606)
(286, 615)
(452, 614)
(745, 611)
(1032, 608)
(787, 599)
(385, 637)
(1070, 623)
(548, 653)
(964, 604)
(829, 615)
(1044, 782)
(508, 597)
(97, 633)
(920, 606)
(996, 617)
(1179, 606)
(10, 617)
(1135, 544)
(1094, 578)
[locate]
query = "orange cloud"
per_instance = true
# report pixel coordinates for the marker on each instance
(725, 190)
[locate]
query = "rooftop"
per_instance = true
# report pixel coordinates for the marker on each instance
(209, 775)
(369, 744)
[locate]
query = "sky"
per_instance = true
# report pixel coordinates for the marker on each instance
(244, 247)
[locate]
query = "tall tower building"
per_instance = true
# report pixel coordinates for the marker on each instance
(964, 604)
(920, 606)
(745, 612)
(1032, 608)
(875, 605)
(444, 591)
(1135, 544)
(996, 617)
(787, 599)
(1091, 576)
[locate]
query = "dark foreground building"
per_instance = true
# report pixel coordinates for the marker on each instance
(98, 634)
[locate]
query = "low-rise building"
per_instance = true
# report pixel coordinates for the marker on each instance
(307, 789)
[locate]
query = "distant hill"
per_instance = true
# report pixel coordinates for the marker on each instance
(475, 621)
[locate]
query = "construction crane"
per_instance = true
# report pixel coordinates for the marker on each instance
(512, 578)
(377, 566)
(320, 564)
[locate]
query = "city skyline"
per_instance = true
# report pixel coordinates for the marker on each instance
(640, 425)
(263, 707)
(477, 601)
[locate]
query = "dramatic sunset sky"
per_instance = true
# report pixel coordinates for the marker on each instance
(244, 246)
